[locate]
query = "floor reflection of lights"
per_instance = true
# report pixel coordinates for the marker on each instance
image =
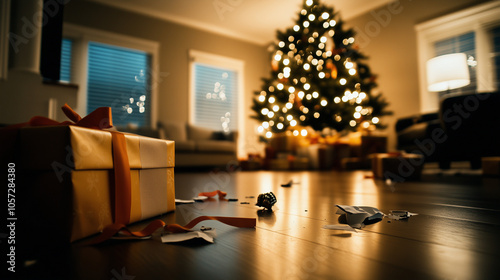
(302, 206)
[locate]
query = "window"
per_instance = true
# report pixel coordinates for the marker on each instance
(471, 31)
(111, 70)
(119, 78)
(215, 97)
(66, 54)
(216, 89)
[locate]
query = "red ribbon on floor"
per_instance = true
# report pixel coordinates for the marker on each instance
(214, 193)
(112, 230)
(235, 222)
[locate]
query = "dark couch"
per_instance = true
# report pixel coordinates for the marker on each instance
(466, 128)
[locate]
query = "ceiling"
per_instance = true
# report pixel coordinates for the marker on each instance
(250, 20)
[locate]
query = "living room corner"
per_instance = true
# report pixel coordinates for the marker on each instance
(227, 139)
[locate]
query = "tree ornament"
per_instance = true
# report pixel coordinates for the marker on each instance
(333, 72)
(275, 65)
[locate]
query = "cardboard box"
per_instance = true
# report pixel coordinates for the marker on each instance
(67, 183)
(279, 164)
(299, 163)
(397, 167)
(491, 166)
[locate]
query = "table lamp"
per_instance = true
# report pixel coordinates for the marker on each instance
(447, 72)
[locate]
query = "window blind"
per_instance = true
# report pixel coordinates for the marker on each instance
(460, 44)
(119, 78)
(216, 97)
(66, 54)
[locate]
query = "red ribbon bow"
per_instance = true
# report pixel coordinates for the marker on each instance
(100, 118)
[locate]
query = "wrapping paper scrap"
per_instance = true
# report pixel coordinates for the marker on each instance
(400, 214)
(207, 235)
(184, 201)
(340, 227)
(359, 216)
(356, 217)
(287, 185)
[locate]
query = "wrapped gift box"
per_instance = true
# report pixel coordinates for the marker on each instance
(320, 156)
(279, 164)
(68, 178)
(299, 163)
(491, 166)
(397, 166)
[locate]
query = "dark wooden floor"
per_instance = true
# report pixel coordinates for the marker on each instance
(455, 236)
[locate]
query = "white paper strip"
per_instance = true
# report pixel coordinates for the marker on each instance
(340, 227)
(184, 201)
(207, 235)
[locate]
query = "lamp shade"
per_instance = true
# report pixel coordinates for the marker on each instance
(447, 71)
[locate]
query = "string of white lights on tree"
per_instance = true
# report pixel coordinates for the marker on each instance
(318, 78)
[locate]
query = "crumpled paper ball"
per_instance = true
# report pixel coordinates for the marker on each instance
(266, 200)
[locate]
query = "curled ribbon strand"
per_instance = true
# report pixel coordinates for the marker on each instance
(235, 222)
(113, 229)
(214, 193)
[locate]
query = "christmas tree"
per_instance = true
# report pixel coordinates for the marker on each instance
(318, 78)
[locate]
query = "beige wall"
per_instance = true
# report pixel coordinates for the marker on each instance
(387, 35)
(175, 41)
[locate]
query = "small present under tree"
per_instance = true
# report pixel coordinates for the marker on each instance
(319, 78)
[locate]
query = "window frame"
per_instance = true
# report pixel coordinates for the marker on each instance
(218, 61)
(81, 37)
(478, 19)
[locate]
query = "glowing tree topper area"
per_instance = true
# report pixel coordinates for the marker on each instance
(318, 79)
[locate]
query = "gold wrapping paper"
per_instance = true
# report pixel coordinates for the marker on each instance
(92, 209)
(401, 167)
(68, 174)
(80, 148)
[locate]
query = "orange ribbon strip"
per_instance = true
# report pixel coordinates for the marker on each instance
(214, 193)
(111, 230)
(235, 222)
(123, 182)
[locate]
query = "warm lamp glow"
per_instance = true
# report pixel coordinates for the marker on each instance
(447, 72)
